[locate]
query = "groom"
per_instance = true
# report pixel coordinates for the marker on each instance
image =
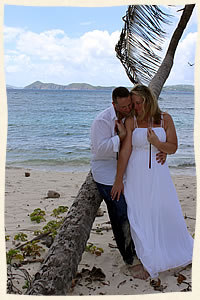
(107, 132)
(105, 144)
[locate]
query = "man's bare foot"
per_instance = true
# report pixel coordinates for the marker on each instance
(138, 271)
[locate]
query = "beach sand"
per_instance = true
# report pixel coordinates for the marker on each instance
(24, 194)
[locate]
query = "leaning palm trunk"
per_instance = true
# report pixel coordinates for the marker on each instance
(61, 263)
(60, 266)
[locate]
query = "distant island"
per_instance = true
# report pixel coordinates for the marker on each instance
(38, 85)
(72, 86)
(179, 87)
(11, 87)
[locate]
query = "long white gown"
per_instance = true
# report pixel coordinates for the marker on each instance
(157, 224)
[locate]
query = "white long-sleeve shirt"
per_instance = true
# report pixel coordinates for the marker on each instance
(104, 147)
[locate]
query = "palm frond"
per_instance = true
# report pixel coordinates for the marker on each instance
(141, 36)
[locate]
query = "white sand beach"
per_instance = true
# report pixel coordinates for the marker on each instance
(24, 194)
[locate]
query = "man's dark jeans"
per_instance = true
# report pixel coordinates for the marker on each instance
(117, 211)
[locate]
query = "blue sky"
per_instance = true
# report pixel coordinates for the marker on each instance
(77, 44)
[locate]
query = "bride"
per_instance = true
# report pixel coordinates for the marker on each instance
(158, 228)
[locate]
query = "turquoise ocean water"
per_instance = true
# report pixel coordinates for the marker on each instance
(50, 130)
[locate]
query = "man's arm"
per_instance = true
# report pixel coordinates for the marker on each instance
(104, 144)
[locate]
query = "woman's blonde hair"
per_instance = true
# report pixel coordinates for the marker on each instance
(151, 107)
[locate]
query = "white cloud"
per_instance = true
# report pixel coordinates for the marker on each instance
(182, 71)
(11, 33)
(15, 62)
(53, 53)
(52, 56)
(186, 47)
(45, 45)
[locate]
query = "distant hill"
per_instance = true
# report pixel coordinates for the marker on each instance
(179, 87)
(38, 85)
(12, 87)
(73, 86)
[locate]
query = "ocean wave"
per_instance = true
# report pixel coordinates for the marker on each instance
(51, 162)
(186, 165)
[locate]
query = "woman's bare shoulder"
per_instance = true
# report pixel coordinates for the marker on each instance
(168, 121)
(167, 117)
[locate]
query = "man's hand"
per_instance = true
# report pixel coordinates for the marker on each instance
(120, 129)
(161, 157)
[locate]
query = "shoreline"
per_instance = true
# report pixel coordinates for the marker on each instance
(24, 194)
(174, 171)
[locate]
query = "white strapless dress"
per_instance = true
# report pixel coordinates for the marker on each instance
(157, 224)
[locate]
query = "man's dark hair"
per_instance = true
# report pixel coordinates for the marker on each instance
(120, 92)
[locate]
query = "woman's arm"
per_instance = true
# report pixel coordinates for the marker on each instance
(171, 144)
(124, 155)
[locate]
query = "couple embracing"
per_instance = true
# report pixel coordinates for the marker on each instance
(129, 144)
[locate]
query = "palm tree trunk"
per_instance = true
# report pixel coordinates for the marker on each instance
(61, 263)
(163, 72)
(60, 266)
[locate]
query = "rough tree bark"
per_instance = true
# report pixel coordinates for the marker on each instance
(60, 266)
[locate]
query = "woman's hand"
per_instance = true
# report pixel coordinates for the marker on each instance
(117, 189)
(152, 137)
(120, 129)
